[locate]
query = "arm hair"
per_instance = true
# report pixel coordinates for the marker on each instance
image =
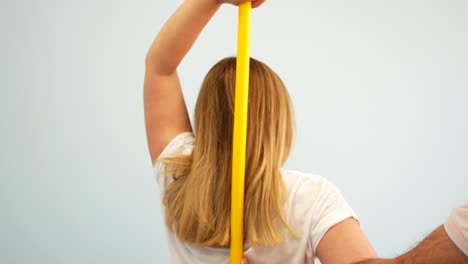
(437, 248)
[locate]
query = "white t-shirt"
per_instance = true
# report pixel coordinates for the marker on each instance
(314, 205)
(457, 227)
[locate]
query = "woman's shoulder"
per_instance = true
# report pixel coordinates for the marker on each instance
(180, 144)
(308, 186)
(294, 177)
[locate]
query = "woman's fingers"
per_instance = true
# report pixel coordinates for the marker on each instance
(255, 3)
(244, 260)
(233, 2)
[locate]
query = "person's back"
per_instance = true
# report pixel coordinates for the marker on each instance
(289, 217)
(313, 206)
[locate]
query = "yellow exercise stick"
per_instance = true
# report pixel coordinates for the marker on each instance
(240, 133)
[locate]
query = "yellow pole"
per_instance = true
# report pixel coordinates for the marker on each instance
(240, 133)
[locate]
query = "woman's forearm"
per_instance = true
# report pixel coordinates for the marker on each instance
(178, 35)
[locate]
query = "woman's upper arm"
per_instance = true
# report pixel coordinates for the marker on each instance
(344, 243)
(165, 111)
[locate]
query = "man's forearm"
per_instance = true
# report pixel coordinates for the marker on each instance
(437, 248)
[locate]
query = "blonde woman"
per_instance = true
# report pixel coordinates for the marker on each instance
(290, 217)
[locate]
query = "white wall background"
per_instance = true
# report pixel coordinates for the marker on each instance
(380, 90)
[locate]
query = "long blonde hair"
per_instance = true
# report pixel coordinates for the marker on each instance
(198, 202)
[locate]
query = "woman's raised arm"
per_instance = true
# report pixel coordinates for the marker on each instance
(165, 111)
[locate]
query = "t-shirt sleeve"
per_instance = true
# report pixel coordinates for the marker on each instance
(181, 144)
(330, 208)
(457, 227)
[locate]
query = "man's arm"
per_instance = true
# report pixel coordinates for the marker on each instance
(437, 248)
